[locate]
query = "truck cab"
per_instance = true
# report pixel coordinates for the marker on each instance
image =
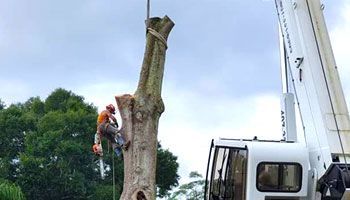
(277, 170)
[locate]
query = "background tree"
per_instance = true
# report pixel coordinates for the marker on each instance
(2, 105)
(57, 163)
(13, 124)
(140, 114)
(166, 176)
(193, 190)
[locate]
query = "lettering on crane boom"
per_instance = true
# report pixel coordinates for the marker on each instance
(285, 27)
(283, 120)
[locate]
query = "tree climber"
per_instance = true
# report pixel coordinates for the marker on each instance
(107, 126)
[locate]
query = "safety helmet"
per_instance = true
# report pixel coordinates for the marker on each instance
(111, 108)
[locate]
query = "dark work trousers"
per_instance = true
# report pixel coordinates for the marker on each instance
(108, 131)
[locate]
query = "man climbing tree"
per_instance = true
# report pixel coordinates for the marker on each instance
(107, 126)
(140, 115)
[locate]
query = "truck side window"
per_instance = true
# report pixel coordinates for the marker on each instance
(279, 177)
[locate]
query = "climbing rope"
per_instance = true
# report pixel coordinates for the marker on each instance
(158, 36)
(113, 176)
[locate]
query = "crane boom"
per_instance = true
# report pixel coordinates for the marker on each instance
(315, 81)
(308, 166)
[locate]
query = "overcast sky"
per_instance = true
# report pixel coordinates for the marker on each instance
(222, 75)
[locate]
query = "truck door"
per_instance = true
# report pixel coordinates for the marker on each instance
(228, 174)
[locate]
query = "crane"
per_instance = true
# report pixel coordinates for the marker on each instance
(307, 164)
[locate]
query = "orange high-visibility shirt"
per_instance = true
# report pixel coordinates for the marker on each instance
(104, 117)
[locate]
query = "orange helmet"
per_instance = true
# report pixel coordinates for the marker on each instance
(111, 108)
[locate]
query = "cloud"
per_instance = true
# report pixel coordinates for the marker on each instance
(224, 46)
(103, 93)
(14, 91)
(191, 120)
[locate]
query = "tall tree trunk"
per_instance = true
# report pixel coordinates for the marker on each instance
(140, 115)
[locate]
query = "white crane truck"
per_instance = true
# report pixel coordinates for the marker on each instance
(312, 164)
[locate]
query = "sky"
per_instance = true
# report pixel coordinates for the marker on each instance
(222, 74)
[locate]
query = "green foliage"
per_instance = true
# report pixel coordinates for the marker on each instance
(166, 175)
(11, 131)
(57, 159)
(57, 100)
(13, 124)
(63, 100)
(35, 105)
(2, 105)
(193, 190)
(103, 192)
(10, 191)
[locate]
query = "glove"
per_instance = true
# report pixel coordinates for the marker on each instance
(97, 149)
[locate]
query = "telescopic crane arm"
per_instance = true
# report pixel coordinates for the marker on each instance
(315, 81)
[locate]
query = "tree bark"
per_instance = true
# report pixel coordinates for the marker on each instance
(140, 115)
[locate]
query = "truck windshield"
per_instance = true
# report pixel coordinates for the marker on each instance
(228, 174)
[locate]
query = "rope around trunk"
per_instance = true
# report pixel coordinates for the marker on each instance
(158, 36)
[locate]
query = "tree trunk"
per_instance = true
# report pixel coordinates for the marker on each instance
(140, 115)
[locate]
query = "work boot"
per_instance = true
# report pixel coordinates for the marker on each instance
(126, 145)
(118, 151)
